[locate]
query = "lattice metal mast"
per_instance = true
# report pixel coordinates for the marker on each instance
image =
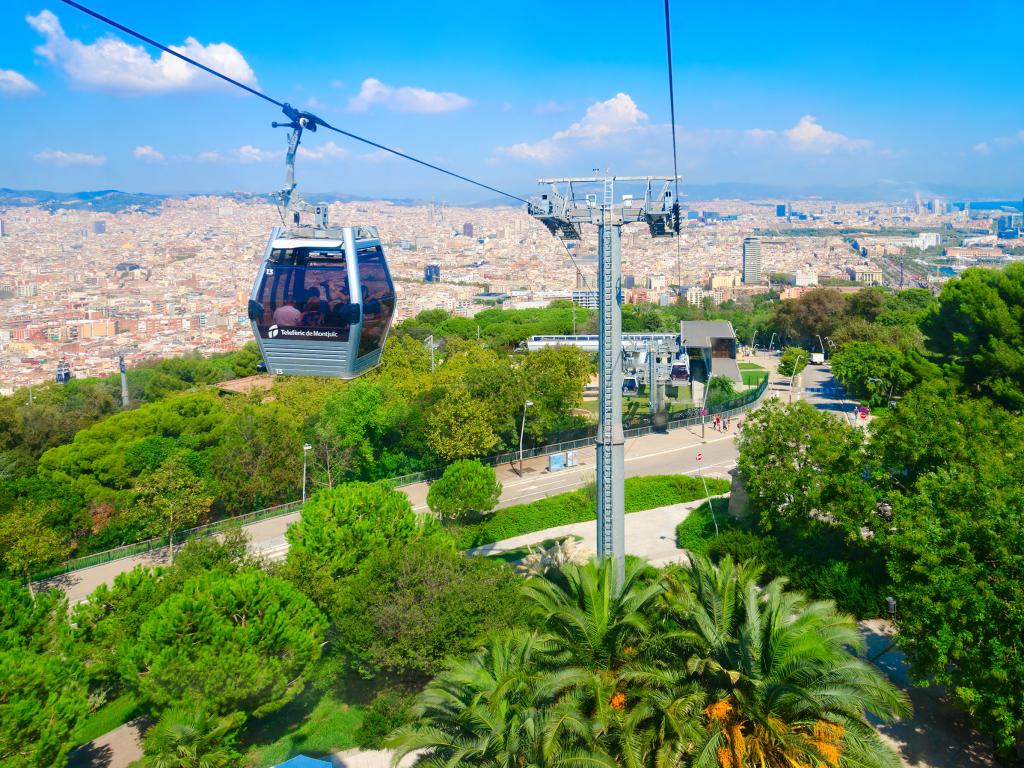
(563, 214)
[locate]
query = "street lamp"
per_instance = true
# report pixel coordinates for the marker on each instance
(792, 379)
(771, 342)
(522, 431)
(822, 343)
(305, 450)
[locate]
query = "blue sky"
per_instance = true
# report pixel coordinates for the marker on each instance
(794, 94)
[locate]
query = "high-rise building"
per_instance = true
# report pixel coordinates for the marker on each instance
(2, 230)
(628, 281)
(656, 281)
(751, 260)
(782, 211)
(467, 229)
(432, 273)
(99, 227)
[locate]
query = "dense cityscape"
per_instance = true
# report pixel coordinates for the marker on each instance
(87, 288)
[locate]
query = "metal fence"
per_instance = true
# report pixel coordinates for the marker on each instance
(633, 428)
(180, 537)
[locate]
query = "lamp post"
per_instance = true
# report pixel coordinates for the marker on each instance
(305, 450)
(522, 431)
(752, 337)
(771, 342)
(792, 379)
(822, 343)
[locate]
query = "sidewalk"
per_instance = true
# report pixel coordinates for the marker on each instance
(650, 534)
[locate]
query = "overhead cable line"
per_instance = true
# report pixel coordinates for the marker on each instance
(288, 109)
(676, 214)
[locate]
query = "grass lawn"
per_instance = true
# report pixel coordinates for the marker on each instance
(697, 531)
(579, 506)
(752, 378)
(751, 367)
(105, 719)
(315, 724)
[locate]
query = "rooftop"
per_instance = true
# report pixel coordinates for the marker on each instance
(698, 333)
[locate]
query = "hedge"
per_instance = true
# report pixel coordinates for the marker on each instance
(578, 506)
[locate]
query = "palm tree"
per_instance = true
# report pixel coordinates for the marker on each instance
(191, 739)
(499, 709)
(598, 630)
(785, 691)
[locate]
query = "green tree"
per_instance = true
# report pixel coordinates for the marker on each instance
(720, 389)
(783, 686)
(226, 643)
(191, 739)
(459, 427)
(957, 566)
(799, 464)
(171, 499)
(793, 360)
(43, 695)
(867, 303)
(978, 328)
(467, 488)
(817, 312)
(26, 544)
(413, 605)
(341, 527)
(259, 459)
(872, 370)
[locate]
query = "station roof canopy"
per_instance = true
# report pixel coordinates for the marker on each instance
(301, 761)
(699, 333)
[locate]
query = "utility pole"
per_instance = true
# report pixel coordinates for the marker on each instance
(563, 214)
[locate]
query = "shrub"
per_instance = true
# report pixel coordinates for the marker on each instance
(389, 711)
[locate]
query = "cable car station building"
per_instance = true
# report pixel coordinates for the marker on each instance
(711, 345)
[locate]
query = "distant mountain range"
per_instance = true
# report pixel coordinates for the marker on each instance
(112, 200)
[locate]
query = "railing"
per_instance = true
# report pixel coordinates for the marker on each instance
(633, 429)
(180, 537)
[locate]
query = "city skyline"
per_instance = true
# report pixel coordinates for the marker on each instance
(763, 98)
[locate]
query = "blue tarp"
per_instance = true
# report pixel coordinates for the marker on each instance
(301, 761)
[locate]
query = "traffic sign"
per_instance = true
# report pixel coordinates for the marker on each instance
(700, 457)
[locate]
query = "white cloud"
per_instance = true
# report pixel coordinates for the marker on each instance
(327, 151)
(808, 135)
(404, 99)
(112, 64)
(251, 154)
(246, 155)
(148, 154)
(602, 123)
(760, 135)
(15, 84)
(60, 157)
(1000, 142)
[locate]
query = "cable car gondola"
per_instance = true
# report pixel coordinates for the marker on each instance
(64, 374)
(323, 300)
(679, 375)
(630, 386)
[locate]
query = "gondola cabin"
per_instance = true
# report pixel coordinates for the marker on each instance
(323, 301)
